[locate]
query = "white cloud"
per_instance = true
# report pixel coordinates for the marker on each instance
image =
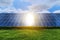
(1, 10)
(48, 2)
(13, 10)
(8, 10)
(40, 5)
(25, 0)
(44, 11)
(5, 3)
(57, 11)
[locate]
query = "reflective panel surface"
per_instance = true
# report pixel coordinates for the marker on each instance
(25, 19)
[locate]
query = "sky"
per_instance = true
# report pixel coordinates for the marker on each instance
(27, 6)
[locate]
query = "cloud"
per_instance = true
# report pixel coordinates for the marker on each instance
(57, 11)
(48, 2)
(5, 3)
(9, 10)
(44, 11)
(25, 0)
(40, 5)
(1, 10)
(36, 6)
(13, 10)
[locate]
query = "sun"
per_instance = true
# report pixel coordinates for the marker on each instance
(29, 19)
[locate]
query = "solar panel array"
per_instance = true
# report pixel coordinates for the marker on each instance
(57, 18)
(47, 19)
(44, 19)
(10, 19)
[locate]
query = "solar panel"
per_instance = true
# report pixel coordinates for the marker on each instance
(44, 19)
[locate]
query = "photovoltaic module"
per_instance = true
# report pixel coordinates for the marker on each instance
(44, 19)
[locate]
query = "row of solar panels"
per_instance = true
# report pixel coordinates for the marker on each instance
(15, 19)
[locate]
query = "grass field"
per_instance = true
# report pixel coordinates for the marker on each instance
(27, 34)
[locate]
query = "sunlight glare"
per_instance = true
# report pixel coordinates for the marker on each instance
(29, 19)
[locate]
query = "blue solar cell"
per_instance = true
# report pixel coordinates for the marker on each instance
(15, 19)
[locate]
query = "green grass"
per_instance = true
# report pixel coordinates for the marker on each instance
(25, 34)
